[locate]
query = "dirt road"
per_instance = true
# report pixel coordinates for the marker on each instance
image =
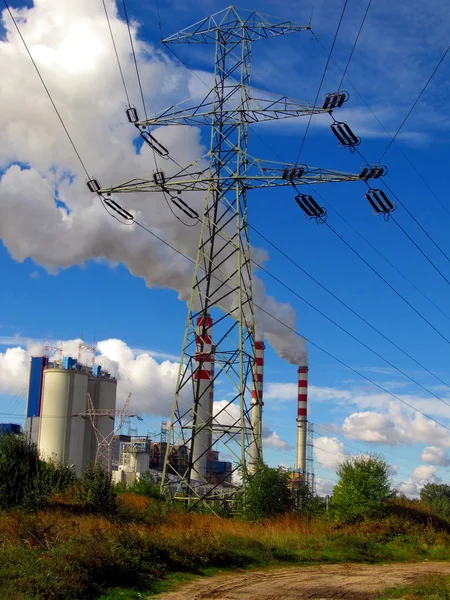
(324, 582)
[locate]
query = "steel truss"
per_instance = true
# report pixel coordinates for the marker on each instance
(219, 339)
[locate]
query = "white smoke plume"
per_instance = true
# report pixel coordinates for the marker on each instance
(46, 212)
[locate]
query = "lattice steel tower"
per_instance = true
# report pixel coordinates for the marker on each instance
(219, 340)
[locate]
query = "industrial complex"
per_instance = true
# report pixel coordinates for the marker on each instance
(73, 418)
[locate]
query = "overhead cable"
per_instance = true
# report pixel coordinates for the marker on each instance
(46, 89)
(415, 103)
(365, 321)
(293, 330)
(344, 73)
(322, 79)
(116, 53)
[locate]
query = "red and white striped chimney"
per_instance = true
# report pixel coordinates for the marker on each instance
(203, 397)
(256, 410)
(302, 418)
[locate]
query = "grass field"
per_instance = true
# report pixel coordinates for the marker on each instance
(431, 588)
(60, 554)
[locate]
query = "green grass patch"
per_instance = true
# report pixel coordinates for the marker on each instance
(434, 587)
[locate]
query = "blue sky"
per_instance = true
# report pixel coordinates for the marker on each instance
(59, 284)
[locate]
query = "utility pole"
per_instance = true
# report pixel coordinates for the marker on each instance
(219, 338)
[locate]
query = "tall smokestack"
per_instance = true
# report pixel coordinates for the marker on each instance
(302, 420)
(203, 398)
(256, 410)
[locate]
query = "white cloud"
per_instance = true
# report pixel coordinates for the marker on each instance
(419, 477)
(152, 384)
(396, 427)
(273, 440)
(281, 391)
(435, 456)
(46, 211)
(324, 487)
(329, 451)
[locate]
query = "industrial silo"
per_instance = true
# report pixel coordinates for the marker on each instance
(62, 431)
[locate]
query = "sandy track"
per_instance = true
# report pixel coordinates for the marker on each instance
(324, 582)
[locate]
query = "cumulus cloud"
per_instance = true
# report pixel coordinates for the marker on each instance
(151, 383)
(324, 487)
(419, 477)
(396, 427)
(46, 211)
(435, 456)
(329, 451)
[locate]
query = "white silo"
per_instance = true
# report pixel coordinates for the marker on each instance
(61, 435)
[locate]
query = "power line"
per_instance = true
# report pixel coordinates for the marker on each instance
(354, 45)
(296, 264)
(304, 338)
(414, 104)
(421, 227)
(46, 89)
(384, 258)
(387, 283)
(401, 150)
(435, 267)
(322, 80)
(374, 352)
(134, 58)
(117, 54)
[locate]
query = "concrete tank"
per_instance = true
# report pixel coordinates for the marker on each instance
(61, 434)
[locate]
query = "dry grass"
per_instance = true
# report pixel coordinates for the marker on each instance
(59, 554)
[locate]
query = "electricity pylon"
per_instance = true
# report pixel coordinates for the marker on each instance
(219, 340)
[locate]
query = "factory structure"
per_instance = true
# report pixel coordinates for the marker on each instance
(57, 398)
(71, 414)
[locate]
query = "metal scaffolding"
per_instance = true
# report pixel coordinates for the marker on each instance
(219, 339)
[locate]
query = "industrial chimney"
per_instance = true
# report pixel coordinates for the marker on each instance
(203, 398)
(256, 410)
(302, 420)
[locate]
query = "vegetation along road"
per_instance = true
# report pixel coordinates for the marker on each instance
(322, 582)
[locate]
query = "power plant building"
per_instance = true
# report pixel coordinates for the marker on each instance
(58, 394)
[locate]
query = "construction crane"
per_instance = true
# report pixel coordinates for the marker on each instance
(222, 283)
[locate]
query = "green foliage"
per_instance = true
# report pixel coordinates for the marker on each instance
(96, 490)
(146, 486)
(59, 476)
(267, 494)
(23, 479)
(308, 503)
(362, 490)
(437, 496)
(434, 587)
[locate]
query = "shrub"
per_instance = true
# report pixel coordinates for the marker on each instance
(362, 490)
(437, 496)
(146, 486)
(267, 494)
(96, 490)
(23, 480)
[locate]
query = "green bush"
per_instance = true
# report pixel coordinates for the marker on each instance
(146, 486)
(267, 493)
(437, 496)
(95, 489)
(23, 477)
(362, 490)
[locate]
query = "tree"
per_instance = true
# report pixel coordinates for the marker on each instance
(308, 503)
(363, 488)
(437, 496)
(267, 493)
(23, 481)
(97, 491)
